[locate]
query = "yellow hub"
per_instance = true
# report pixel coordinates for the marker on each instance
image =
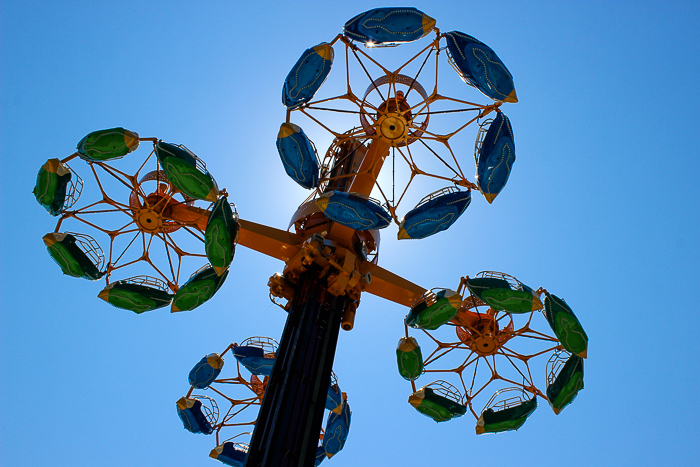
(148, 220)
(485, 345)
(392, 128)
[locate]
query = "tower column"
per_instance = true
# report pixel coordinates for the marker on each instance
(287, 430)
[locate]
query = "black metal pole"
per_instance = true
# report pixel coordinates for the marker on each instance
(287, 430)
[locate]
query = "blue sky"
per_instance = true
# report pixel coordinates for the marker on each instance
(601, 209)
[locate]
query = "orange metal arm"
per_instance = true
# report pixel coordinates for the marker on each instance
(392, 287)
(270, 241)
(285, 245)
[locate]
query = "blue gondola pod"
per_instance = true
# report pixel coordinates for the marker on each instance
(495, 156)
(334, 397)
(388, 26)
(230, 453)
(320, 456)
(206, 371)
(479, 66)
(190, 410)
(307, 75)
(254, 359)
(434, 213)
(337, 428)
(353, 210)
(298, 155)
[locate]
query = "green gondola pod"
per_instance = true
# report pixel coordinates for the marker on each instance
(434, 309)
(436, 404)
(565, 325)
(65, 249)
(409, 358)
(53, 186)
(509, 418)
(104, 145)
(132, 294)
(220, 235)
(198, 289)
(563, 389)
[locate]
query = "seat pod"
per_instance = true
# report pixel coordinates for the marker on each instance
(73, 261)
(512, 418)
(438, 407)
(409, 358)
(193, 419)
(479, 66)
(353, 210)
(307, 75)
(565, 325)
(444, 307)
(220, 235)
(185, 172)
(206, 371)
(337, 429)
(298, 155)
(135, 297)
(51, 186)
(563, 390)
(198, 289)
(103, 145)
(253, 359)
(499, 295)
(386, 26)
(433, 215)
(230, 454)
(495, 157)
(320, 455)
(334, 398)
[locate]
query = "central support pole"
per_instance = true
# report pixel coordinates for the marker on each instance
(287, 430)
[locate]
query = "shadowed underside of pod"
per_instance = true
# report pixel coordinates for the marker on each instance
(386, 26)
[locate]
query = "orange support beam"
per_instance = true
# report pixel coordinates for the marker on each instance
(270, 241)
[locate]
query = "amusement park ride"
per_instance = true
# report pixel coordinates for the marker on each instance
(484, 341)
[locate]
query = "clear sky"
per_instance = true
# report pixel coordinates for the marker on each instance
(601, 209)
